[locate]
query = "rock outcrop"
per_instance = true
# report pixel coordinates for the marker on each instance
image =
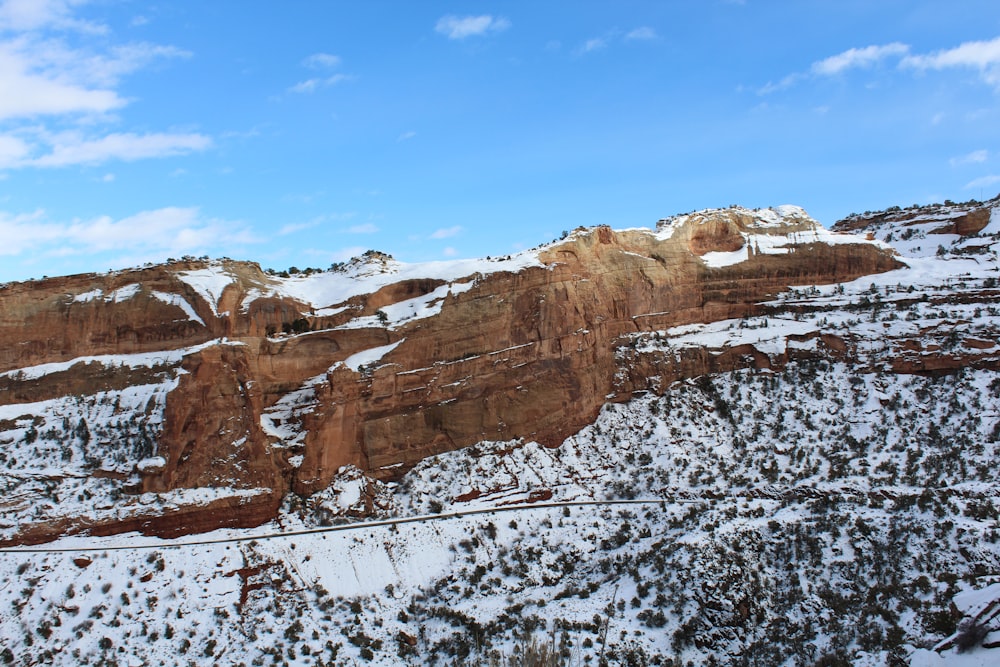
(273, 384)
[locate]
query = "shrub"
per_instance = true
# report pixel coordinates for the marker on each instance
(970, 635)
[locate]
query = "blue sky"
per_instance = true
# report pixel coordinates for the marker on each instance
(303, 132)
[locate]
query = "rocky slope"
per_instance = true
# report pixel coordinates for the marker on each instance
(254, 385)
(737, 439)
(771, 445)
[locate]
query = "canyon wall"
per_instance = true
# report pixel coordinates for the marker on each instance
(276, 383)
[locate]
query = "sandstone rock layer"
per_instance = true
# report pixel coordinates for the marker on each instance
(380, 372)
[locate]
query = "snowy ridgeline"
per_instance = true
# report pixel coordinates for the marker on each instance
(816, 513)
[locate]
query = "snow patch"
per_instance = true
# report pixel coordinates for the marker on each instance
(366, 357)
(151, 463)
(209, 282)
(180, 302)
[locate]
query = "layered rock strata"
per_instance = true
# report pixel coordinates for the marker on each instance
(275, 384)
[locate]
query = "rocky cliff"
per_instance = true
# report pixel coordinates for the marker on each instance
(193, 395)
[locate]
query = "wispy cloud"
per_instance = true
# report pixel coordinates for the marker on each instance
(773, 87)
(406, 136)
(295, 227)
(858, 58)
(321, 61)
(975, 157)
(70, 149)
(982, 55)
(643, 33)
(593, 44)
(447, 232)
(365, 228)
(983, 182)
(462, 27)
(312, 85)
(164, 231)
(640, 34)
(449, 252)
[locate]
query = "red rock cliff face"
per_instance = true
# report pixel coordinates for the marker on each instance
(521, 353)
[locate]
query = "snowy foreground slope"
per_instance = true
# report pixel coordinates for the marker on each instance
(819, 508)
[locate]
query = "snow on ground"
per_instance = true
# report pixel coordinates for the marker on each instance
(787, 534)
(137, 360)
(927, 658)
(767, 232)
(815, 514)
(331, 288)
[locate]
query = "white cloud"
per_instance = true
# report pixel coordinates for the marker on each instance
(449, 252)
(169, 230)
(24, 15)
(47, 78)
(366, 228)
(24, 231)
(312, 85)
(29, 92)
(595, 44)
(460, 27)
(321, 61)
(974, 157)
(122, 60)
(447, 232)
(12, 151)
(70, 149)
(51, 81)
(642, 33)
(982, 55)
(983, 182)
(406, 136)
(858, 58)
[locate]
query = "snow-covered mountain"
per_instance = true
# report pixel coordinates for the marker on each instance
(737, 439)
